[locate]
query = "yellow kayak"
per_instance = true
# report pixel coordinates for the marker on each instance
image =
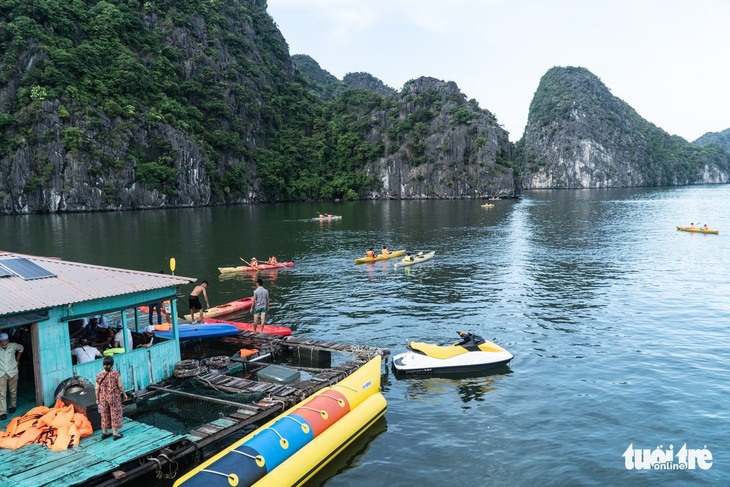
(697, 230)
(365, 260)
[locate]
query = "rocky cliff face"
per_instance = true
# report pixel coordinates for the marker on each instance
(169, 104)
(438, 145)
(578, 135)
(62, 151)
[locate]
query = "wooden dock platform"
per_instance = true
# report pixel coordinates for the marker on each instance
(87, 464)
(279, 344)
(145, 449)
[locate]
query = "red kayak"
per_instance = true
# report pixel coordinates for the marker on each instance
(260, 267)
(268, 329)
(237, 306)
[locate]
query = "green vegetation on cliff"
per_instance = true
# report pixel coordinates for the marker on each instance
(572, 106)
(216, 71)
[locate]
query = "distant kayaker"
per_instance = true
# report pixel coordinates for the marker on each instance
(691, 225)
(254, 262)
(272, 260)
(705, 227)
(385, 250)
(259, 304)
(408, 258)
(370, 253)
(194, 300)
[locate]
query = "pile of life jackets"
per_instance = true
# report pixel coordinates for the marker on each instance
(58, 428)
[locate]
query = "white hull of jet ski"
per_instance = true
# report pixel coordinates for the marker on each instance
(466, 358)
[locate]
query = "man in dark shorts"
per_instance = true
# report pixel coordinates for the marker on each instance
(260, 304)
(194, 300)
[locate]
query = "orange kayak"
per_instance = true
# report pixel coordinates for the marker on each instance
(237, 306)
(363, 260)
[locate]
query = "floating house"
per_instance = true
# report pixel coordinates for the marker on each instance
(43, 296)
(45, 302)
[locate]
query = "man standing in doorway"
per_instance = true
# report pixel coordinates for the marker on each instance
(260, 304)
(9, 360)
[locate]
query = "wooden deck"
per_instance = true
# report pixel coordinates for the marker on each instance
(112, 463)
(278, 398)
(87, 464)
(278, 344)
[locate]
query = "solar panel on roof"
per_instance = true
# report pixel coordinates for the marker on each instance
(25, 269)
(5, 273)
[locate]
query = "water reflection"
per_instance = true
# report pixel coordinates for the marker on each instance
(351, 456)
(469, 386)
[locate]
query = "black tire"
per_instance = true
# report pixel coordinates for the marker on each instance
(217, 362)
(182, 373)
(72, 384)
(187, 364)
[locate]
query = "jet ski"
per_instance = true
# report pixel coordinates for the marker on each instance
(472, 353)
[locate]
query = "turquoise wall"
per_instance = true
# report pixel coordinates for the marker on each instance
(138, 368)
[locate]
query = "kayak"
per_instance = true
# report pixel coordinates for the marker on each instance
(392, 255)
(268, 329)
(243, 304)
(260, 267)
(328, 218)
(189, 332)
(417, 259)
(697, 230)
(487, 205)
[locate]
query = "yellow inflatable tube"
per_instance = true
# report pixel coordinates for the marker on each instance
(332, 419)
(316, 454)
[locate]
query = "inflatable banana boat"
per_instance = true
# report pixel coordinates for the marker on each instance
(291, 448)
(472, 354)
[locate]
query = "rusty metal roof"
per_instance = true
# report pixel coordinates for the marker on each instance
(74, 283)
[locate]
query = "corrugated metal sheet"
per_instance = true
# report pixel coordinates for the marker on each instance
(75, 283)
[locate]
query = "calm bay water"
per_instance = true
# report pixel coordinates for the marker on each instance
(618, 322)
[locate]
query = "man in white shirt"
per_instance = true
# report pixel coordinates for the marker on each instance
(119, 343)
(9, 359)
(85, 352)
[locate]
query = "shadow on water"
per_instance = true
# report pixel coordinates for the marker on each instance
(350, 457)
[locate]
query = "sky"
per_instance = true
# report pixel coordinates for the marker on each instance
(668, 59)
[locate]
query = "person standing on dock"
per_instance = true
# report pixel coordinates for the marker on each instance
(9, 360)
(108, 389)
(194, 300)
(259, 304)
